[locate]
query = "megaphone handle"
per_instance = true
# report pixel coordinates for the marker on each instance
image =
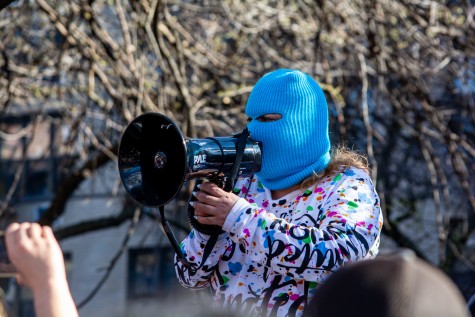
(171, 237)
(205, 229)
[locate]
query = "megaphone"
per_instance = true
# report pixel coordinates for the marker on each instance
(155, 160)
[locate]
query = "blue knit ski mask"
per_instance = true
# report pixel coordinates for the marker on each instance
(297, 144)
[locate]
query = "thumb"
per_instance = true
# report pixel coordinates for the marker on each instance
(20, 280)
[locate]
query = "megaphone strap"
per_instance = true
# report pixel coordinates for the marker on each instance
(207, 251)
(241, 146)
(176, 247)
(171, 237)
(220, 148)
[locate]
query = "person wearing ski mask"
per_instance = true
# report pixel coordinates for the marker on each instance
(308, 211)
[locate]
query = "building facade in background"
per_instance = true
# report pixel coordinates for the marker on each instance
(137, 269)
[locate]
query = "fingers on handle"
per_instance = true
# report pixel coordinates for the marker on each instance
(210, 188)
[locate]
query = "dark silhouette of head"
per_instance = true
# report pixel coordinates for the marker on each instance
(398, 285)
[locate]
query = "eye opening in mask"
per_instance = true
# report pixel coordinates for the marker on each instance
(269, 117)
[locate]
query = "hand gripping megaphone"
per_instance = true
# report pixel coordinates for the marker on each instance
(155, 160)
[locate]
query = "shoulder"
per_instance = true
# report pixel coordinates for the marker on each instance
(348, 177)
(352, 189)
(357, 183)
(354, 172)
(348, 172)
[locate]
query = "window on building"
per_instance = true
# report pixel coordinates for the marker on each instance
(151, 271)
(38, 178)
(7, 176)
(35, 157)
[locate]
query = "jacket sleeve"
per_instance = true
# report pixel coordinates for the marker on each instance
(202, 258)
(344, 228)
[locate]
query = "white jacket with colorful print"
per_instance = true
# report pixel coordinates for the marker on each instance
(274, 253)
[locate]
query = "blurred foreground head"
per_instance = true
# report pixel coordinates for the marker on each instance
(389, 286)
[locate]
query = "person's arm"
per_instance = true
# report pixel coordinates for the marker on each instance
(37, 257)
(340, 224)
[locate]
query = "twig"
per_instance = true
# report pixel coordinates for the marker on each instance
(114, 260)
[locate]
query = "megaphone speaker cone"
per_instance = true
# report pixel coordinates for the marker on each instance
(152, 159)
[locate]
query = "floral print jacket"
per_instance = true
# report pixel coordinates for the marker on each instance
(274, 253)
